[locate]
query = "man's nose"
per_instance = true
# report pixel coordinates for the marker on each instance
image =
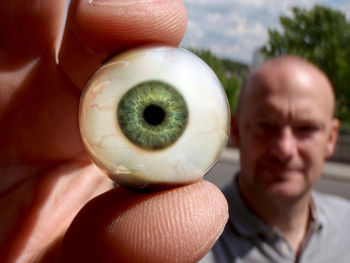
(284, 145)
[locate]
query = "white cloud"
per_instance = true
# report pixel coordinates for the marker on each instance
(247, 30)
(214, 17)
(236, 28)
(195, 29)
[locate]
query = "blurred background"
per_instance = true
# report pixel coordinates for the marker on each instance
(235, 36)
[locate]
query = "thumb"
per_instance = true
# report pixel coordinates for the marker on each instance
(176, 225)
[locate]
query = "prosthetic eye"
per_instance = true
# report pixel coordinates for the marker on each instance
(154, 116)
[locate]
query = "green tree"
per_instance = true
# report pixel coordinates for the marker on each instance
(321, 35)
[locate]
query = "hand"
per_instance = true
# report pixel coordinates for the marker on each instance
(45, 174)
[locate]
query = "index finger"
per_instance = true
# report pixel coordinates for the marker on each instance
(95, 29)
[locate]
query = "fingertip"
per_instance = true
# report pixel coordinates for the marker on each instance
(107, 25)
(176, 225)
(97, 29)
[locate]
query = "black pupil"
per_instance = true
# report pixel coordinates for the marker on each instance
(154, 115)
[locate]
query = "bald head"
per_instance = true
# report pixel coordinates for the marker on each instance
(287, 74)
(285, 129)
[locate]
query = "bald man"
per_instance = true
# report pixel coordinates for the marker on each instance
(285, 130)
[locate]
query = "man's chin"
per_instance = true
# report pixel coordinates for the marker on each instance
(285, 190)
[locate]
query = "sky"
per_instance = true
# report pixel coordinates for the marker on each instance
(236, 28)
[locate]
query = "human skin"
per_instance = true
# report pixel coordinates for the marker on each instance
(285, 130)
(46, 177)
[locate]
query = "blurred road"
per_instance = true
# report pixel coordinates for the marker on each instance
(335, 179)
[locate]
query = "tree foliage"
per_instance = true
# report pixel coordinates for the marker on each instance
(230, 73)
(322, 36)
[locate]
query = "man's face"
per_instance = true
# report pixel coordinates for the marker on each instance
(285, 131)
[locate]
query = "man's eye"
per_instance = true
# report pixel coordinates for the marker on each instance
(267, 127)
(154, 116)
(305, 129)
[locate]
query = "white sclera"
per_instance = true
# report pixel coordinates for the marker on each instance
(194, 152)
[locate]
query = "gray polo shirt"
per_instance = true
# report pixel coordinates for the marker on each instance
(247, 239)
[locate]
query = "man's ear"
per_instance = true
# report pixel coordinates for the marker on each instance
(234, 130)
(332, 138)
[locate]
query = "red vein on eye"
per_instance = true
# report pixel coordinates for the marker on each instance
(102, 108)
(95, 91)
(99, 144)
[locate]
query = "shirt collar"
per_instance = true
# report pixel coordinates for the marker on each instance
(243, 220)
(317, 213)
(247, 223)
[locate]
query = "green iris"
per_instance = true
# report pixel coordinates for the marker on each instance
(152, 115)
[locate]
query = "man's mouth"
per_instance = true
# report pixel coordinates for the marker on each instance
(281, 170)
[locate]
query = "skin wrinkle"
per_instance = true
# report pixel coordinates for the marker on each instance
(23, 125)
(13, 175)
(28, 215)
(38, 214)
(9, 204)
(12, 78)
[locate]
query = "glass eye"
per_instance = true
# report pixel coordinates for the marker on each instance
(154, 116)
